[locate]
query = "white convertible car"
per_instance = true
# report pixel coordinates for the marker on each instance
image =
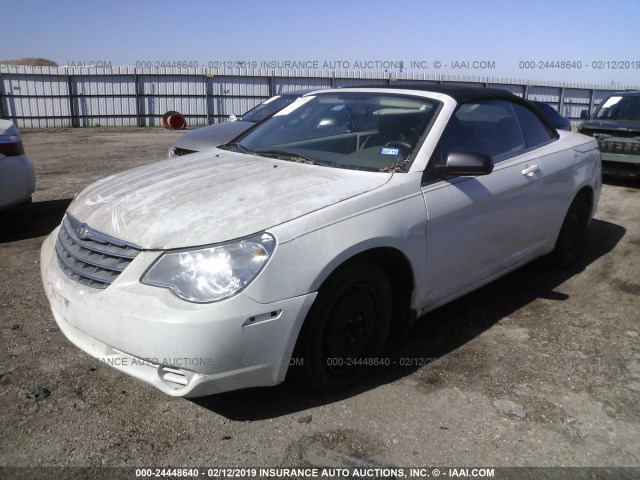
(303, 242)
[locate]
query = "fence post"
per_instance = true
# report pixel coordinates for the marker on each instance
(71, 107)
(137, 93)
(206, 97)
(1, 106)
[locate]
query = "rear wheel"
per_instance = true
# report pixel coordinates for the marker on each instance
(573, 234)
(346, 328)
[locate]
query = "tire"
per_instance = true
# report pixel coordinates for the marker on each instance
(346, 328)
(571, 241)
(164, 123)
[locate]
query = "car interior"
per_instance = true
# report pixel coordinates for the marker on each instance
(372, 134)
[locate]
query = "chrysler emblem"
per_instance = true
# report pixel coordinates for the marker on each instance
(81, 231)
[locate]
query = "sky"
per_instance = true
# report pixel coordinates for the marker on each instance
(570, 41)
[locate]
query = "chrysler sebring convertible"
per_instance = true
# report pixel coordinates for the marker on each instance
(300, 245)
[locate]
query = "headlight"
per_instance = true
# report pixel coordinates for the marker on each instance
(213, 273)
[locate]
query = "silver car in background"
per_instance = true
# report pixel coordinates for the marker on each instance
(207, 138)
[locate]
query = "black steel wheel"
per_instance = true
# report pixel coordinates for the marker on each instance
(573, 234)
(346, 328)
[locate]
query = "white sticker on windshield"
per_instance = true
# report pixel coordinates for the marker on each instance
(269, 100)
(297, 103)
(611, 101)
(389, 151)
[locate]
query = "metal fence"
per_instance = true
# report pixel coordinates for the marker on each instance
(42, 97)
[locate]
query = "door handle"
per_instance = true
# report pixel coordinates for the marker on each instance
(529, 171)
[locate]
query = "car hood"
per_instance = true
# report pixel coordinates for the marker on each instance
(627, 126)
(207, 138)
(213, 197)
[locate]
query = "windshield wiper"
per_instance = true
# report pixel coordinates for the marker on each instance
(284, 155)
(237, 145)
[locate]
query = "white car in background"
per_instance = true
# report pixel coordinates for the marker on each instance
(306, 240)
(17, 176)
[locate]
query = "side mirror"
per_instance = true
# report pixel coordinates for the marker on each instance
(584, 115)
(232, 118)
(466, 162)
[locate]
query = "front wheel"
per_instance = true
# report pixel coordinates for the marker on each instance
(573, 234)
(346, 328)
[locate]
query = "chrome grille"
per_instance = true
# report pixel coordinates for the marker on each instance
(89, 257)
(608, 146)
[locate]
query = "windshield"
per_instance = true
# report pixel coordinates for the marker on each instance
(356, 130)
(620, 107)
(268, 107)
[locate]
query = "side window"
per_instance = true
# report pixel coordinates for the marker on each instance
(536, 133)
(486, 126)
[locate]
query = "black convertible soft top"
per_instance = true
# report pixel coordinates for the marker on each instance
(462, 94)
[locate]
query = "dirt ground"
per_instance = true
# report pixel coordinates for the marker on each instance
(540, 368)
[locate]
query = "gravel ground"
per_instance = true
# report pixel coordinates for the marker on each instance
(540, 368)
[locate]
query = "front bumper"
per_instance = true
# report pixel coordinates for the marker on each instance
(181, 348)
(613, 163)
(620, 158)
